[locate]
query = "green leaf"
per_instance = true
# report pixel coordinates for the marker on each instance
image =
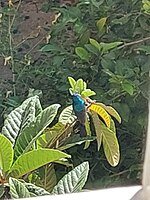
(88, 132)
(144, 48)
(29, 135)
(73, 181)
(72, 83)
(127, 87)
(79, 86)
(20, 118)
(108, 46)
(87, 93)
(84, 38)
(35, 159)
(112, 126)
(82, 53)
(6, 153)
(101, 23)
(18, 189)
(51, 135)
(92, 49)
(98, 131)
(97, 3)
(38, 191)
(146, 6)
(110, 145)
(51, 47)
(67, 116)
(95, 44)
(122, 20)
(74, 140)
(2, 191)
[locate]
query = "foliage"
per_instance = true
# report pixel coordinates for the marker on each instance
(105, 132)
(71, 182)
(107, 44)
(25, 147)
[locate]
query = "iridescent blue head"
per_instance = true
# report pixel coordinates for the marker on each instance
(78, 103)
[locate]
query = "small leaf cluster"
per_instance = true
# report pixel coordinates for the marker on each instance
(104, 126)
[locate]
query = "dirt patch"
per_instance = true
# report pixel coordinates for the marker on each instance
(28, 33)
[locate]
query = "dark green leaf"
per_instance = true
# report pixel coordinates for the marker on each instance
(73, 181)
(82, 53)
(18, 189)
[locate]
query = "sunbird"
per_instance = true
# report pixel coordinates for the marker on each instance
(79, 108)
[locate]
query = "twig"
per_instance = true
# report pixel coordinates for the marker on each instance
(12, 56)
(10, 24)
(134, 42)
(35, 45)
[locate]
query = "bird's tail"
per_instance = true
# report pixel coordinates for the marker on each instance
(82, 130)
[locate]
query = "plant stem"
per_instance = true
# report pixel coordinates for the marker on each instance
(10, 24)
(134, 42)
(12, 55)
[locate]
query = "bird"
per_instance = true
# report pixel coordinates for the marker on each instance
(79, 109)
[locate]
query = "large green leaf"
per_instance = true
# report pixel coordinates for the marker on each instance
(6, 153)
(34, 130)
(67, 116)
(110, 145)
(35, 159)
(21, 117)
(18, 189)
(73, 181)
(47, 178)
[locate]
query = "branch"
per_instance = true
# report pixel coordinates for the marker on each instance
(134, 42)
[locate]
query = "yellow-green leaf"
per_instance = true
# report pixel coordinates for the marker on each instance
(101, 23)
(146, 6)
(127, 87)
(111, 111)
(79, 86)
(110, 145)
(87, 93)
(34, 159)
(6, 153)
(88, 131)
(72, 82)
(108, 46)
(98, 131)
(95, 44)
(82, 53)
(102, 113)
